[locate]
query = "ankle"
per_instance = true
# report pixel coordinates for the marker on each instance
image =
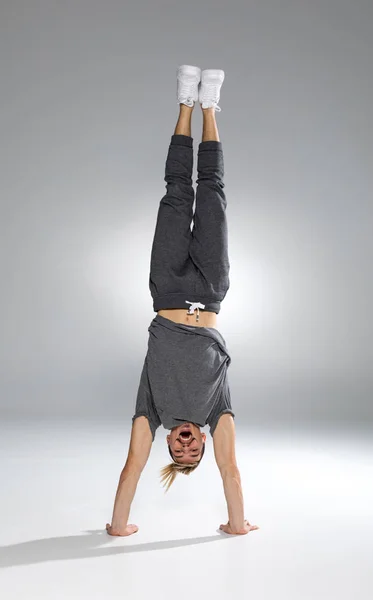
(185, 108)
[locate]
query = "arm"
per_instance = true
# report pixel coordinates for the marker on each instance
(225, 456)
(224, 450)
(138, 454)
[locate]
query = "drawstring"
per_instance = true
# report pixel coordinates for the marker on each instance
(194, 306)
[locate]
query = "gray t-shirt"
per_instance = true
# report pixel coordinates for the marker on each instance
(184, 377)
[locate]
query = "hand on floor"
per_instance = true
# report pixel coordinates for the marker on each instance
(247, 527)
(128, 530)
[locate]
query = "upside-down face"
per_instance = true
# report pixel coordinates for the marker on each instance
(186, 443)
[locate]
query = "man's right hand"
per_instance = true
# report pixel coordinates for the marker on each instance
(127, 530)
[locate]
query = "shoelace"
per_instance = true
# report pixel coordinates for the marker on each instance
(185, 93)
(210, 93)
(194, 306)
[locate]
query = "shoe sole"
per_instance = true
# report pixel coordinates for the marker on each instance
(218, 73)
(189, 70)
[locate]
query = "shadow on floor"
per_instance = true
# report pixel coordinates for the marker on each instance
(86, 546)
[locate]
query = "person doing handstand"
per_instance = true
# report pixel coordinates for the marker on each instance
(183, 384)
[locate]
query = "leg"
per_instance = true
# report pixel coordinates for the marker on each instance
(209, 246)
(170, 249)
(184, 122)
(210, 128)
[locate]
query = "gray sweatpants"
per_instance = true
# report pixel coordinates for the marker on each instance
(191, 266)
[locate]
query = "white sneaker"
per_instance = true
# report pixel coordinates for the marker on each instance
(188, 78)
(209, 93)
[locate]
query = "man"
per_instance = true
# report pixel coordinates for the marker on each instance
(184, 383)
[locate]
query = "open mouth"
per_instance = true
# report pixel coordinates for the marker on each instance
(185, 435)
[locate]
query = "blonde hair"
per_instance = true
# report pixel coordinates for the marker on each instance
(168, 473)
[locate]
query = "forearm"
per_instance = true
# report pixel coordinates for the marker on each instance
(125, 493)
(234, 497)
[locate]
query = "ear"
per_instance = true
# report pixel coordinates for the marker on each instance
(203, 436)
(168, 438)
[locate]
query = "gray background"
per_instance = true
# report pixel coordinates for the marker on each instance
(88, 96)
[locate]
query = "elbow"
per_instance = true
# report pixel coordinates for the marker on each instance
(132, 468)
(229, 470)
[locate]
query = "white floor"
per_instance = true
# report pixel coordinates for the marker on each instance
(310, 493)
